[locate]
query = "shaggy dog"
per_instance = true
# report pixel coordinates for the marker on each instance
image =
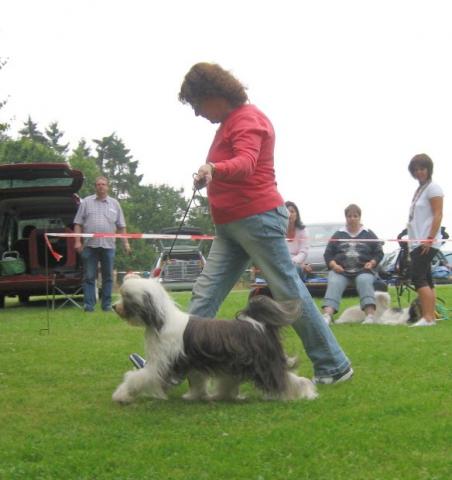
(233, 351)
(130, 276)
(384, 314)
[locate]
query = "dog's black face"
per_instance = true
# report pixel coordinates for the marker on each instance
(138, 305)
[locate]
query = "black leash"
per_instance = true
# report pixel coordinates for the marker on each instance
(195, 189)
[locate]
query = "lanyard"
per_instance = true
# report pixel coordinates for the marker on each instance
(417, 194)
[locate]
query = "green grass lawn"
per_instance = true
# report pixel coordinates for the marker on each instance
(57, 420)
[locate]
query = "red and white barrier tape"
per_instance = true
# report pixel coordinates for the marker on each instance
(152, 236)
(163, 236)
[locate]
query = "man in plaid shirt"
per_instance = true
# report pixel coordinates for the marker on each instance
(99, 213)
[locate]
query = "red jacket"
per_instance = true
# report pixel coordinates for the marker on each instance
(244, 180)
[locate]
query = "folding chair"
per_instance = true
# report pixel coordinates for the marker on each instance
(64, 275)
(402, 271)
(70, 297)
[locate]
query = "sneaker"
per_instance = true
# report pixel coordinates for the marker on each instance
(328, 318)
(137, 360)
(423, 323)
(339, 377)
(369, 320)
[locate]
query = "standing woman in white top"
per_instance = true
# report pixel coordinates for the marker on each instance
(424, 231)
(298, 242)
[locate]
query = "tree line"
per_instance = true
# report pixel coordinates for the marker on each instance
(147, 208)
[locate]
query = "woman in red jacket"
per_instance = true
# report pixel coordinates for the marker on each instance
(249, 213)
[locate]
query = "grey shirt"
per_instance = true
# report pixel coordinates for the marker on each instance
(100, 216)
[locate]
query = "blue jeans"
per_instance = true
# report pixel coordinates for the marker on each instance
(90, 258)
(261, 238)
(301, 273)
(337, 283)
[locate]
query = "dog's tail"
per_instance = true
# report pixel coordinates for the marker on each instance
(265, 310)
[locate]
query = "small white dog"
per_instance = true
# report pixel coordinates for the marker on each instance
(384, 314)
(233, 351)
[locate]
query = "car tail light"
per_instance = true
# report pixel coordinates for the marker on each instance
(156, 272)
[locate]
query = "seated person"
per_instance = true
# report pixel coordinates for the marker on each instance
(298, 243)
(351, 261)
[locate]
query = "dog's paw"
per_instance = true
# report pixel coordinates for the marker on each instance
(158, 395)
(308, 389)
(227, 397)
(121, 395)
(292, 362)
(299, 388)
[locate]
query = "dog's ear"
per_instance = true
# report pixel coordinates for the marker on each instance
(151, 314)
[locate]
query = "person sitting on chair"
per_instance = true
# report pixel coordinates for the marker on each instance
(352, 261)
(297, 240)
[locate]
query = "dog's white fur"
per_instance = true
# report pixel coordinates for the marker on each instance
(165, 347)
(384, 314)
(130, 276)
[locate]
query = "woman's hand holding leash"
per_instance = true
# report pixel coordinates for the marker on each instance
(204, 176)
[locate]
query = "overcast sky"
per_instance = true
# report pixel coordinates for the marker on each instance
(354, 88)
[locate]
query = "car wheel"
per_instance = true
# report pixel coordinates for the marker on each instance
(2, 301)
(24, 298)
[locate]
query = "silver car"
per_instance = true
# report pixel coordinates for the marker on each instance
(177, 267)
(319, 235)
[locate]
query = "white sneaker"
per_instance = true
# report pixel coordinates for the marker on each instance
(423, 323)
(328, 318)
(338, 378)
(369, 320)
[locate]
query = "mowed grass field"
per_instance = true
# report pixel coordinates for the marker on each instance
(57, 420)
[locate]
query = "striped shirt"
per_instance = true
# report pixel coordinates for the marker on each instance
(100, 216)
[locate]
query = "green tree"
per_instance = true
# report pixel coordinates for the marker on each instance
(153, 207)
(115, 162)
(148, 209)
(31, 131)
(82, 160)
(54, 135)
(27, 151)
(142, 256)
(199, 215)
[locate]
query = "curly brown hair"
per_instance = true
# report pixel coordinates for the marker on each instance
(208, 80)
